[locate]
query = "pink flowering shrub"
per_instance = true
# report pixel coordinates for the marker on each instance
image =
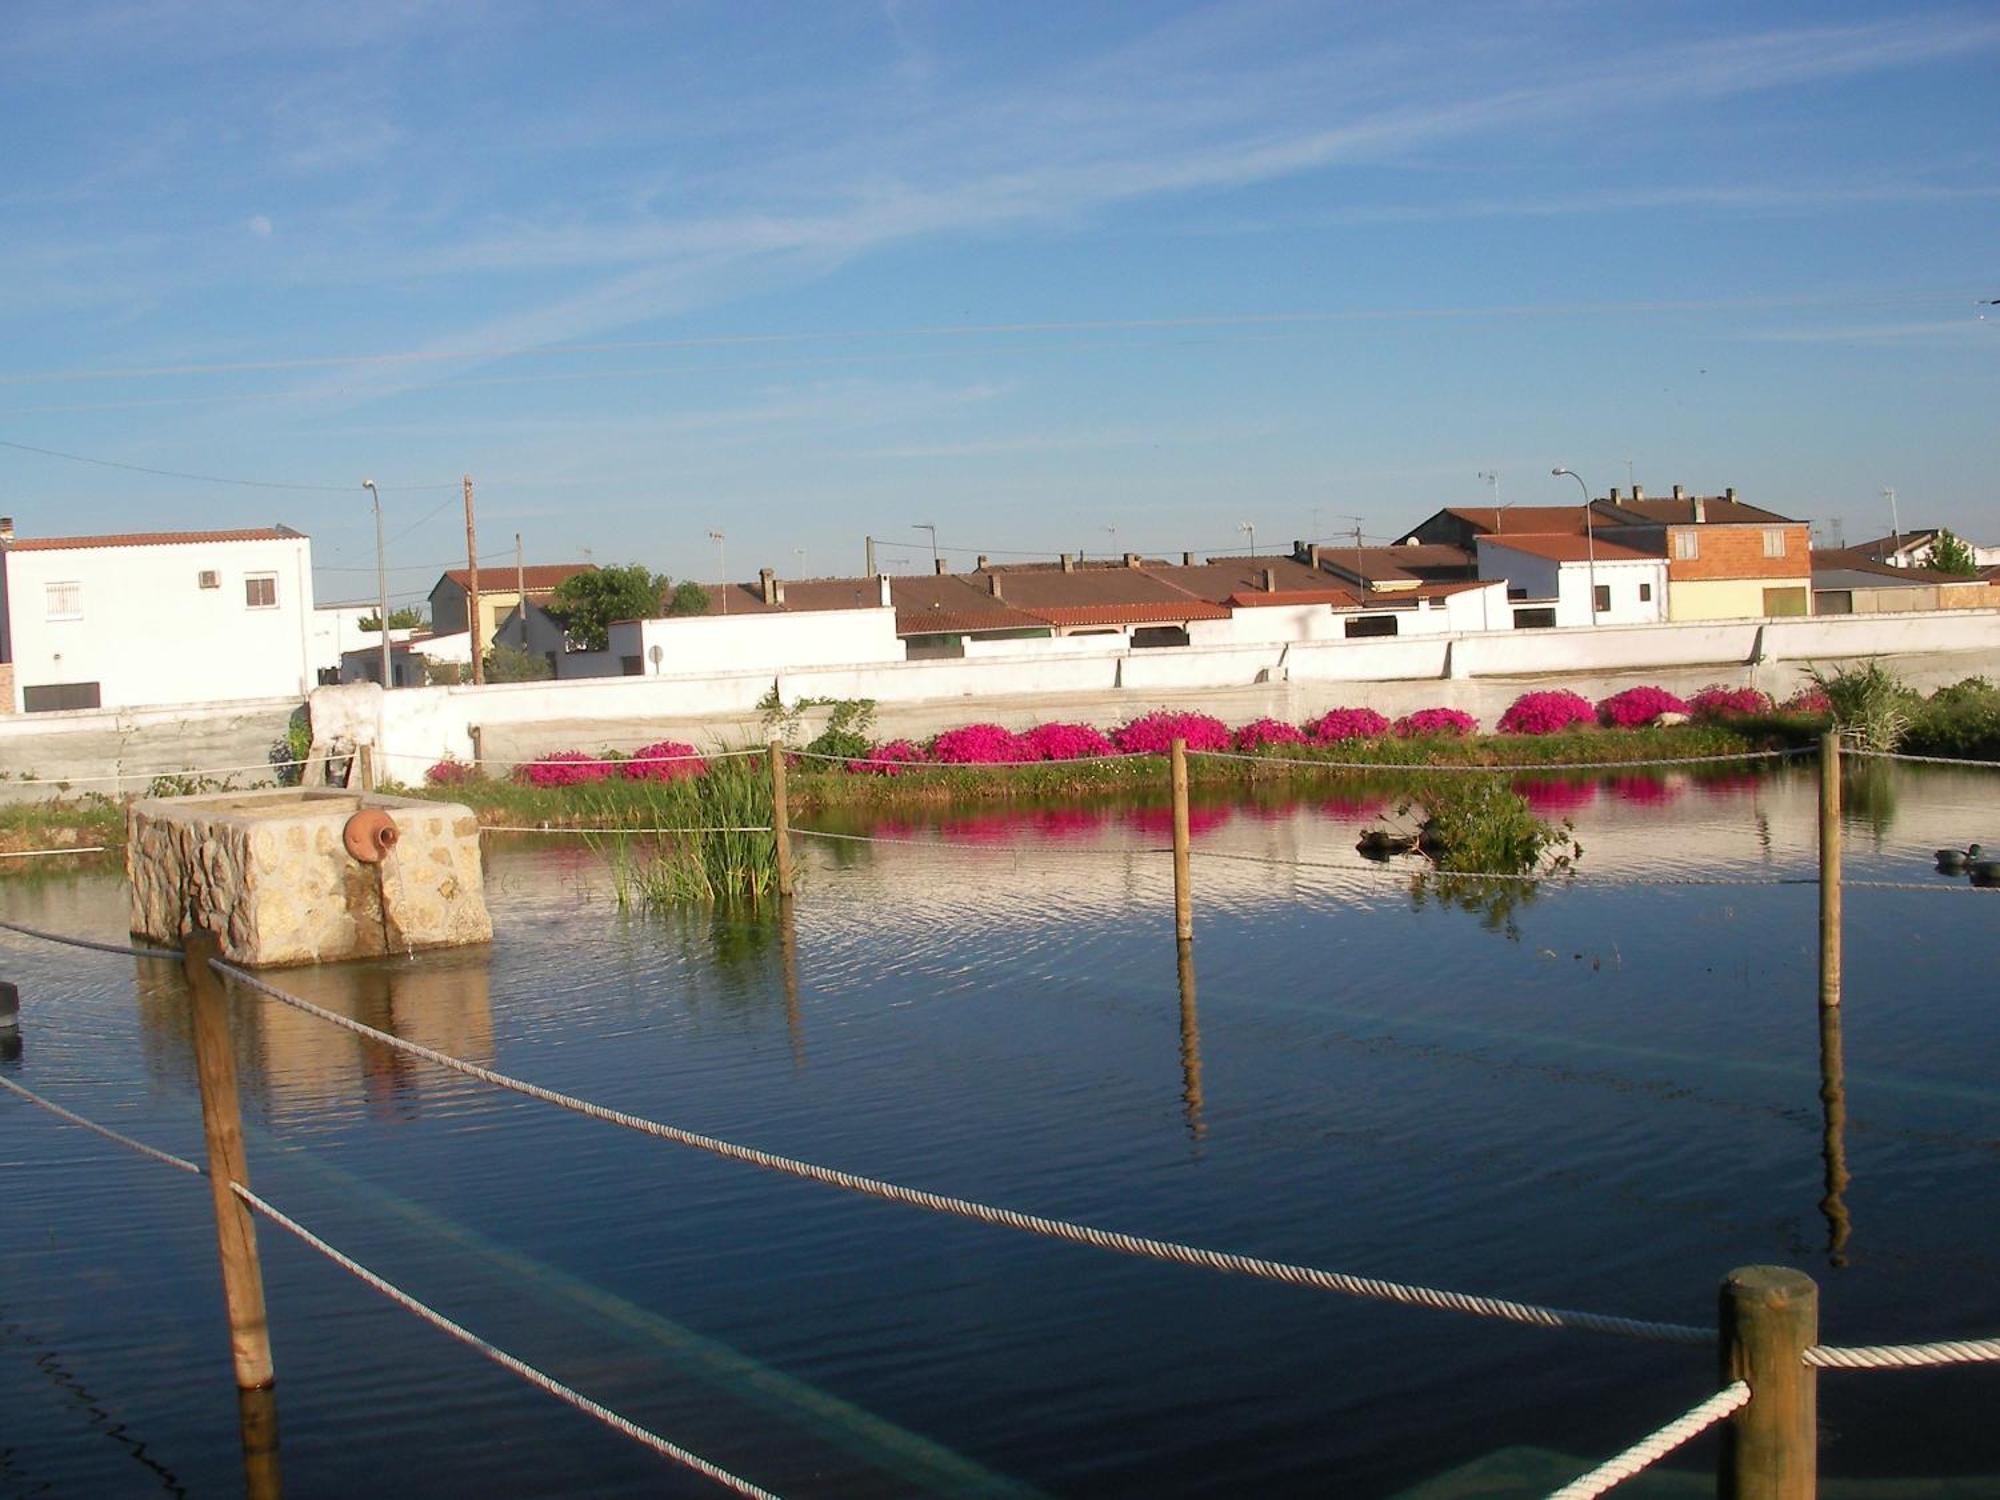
(888, 759)
(1348, 724)
(1425, 721)
(665, 761)
(563, 768)
(1260, 733)
(449, 772)
(1154, 733)
(1638, 705)
(980, 744)
(1546, 713)
(1066, 742)
(1809, 700)
(1718, 702)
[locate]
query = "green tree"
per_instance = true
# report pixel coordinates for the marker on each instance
(689, 598)
(587, 603)
(1954, 555)
(407, 618)
(512, 664)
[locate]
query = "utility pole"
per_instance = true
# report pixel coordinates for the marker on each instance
(521, 591)
(1895, 525)
(381, 584)
(473, 629)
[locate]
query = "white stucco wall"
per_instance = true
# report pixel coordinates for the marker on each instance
(146, 633)
(335, 629)
(1569, 584)
(743, 643)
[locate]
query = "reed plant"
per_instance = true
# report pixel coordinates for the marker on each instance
(717, 847)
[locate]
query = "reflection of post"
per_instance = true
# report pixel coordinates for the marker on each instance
(781, 819)
(788, 959)
(1183, 897)
(1833, 1136)
(257, 1413)
(1829, 869)
(1190, 1044)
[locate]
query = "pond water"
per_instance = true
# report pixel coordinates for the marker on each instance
(1602, 1097)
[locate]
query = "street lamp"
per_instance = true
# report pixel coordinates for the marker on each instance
(1589, 536)
(928, 526)
(381, 584)
(721, 567)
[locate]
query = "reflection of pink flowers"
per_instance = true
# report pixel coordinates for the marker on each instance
(1259, 733)
(1638, 705)
(1154, 733)
(980, 744)
(1718, 702)
(981, 828)
(1066, 742)
(1809, 700)
(1442, 721)
(1067, 822)
(1348, 724)
(666, 761)
(449, 772)
(1354, 809)
(888, 759)
(1160, 820)
(1728, 783)
(1647, 789)
(563, 768)
(1546, 713)
(1556, 796)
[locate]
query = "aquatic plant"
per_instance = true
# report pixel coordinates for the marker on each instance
(1067, 742)
(664, 760)
(1546, 712)
(1479, 825)
(1435, 721)
(1338, 724)
(1154, 733)
(980, 744)
(1262, 734)
(1638, 705)
(1869, 704)
(727, 854)
(563, 768)
(1716, 702)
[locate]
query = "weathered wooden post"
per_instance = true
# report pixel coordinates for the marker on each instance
(1770, 1449)
(1829, 868)
(257, 1420)
(365, 767)
(781, 821)
(1183, 895)
(222, 1125)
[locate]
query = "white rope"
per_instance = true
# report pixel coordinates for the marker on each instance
(1115, 757)
(1552, 765)
(1562, 877)
(77, 942)
(1922, 760)
(601, 828)
(106, 1131)
(606, 760)
(1076, 1234)
(1903, 1356)
(1650, 1450)
(501, 1357)
(72, 849)
(1010, 849)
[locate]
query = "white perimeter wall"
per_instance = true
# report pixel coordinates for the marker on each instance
(419, 725)
(746, 643)
(147, 634)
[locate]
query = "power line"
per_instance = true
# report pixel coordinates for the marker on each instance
(249, 484)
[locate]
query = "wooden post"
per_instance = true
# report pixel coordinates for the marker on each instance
(1183, 896)
(1833, 1136)
(365, 764)
(1770, 1449)
(473, 631)
(222, 1125)
(1829, 868)
(781, 823)
(257, 1419)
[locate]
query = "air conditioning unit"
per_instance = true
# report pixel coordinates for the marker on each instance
(209, 578)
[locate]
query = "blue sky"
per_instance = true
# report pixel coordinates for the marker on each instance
(1063, 276)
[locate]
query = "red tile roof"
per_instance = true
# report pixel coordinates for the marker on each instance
(1560, 548)
(538, 578)
(153, 539)
(1538, 519)
(1257, 598)
(1159, 612)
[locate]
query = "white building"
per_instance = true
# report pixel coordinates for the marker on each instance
(154, 618)
(1551, 578)
(336, 630)
(793, 640)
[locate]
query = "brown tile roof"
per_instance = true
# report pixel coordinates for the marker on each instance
(1717, 510)
(1556, 547)
(1539, 519)
(537, 578)
(1339, 598)
(1221, 578)
(1406, 563)
(152, 539)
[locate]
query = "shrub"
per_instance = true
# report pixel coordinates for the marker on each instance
(846, 732)
(1807, 700)
(1638, 705)
(1479, 824)
(1260, 734)
(1870, 705)
(979, 744)
(663, 761)
(1340, 724)
(1718, 702)
(1435, 721)
(1546, 713)
(1154, 733)
(1067, 742)
(888, 759)
(450, 772)
(563, 768)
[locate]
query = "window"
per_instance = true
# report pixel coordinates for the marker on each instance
(260, 591)
(1774, 541)
(57, 696)
(65, 601)
(1371, 625)
(1534, 619)
(1147, 636)
(1785, 602)
(1645, 593)
(1600, 598)
(1687, 546)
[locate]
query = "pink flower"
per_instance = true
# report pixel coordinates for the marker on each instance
(449, 772)
(1809, 700)
(1066, 742)
(980, 744)
(1348, 724)
(665, 761)
(1440, 721)
(888, 759)
(1154, 733)
(563, 768)
(1718, 702)
(1260, 733)
(1546, 713)
(1638, 705)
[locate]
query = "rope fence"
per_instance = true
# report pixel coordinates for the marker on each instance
(1923, 760)
(123, 949)
(1425, 769)
(166, 1158)
(1651, 1449)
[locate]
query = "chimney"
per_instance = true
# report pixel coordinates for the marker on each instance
(1270, 580)
(1700, 508)
(1298, 551)
(1730, 494)
(6, 530)
(1614, 494)
(778, 592)
(942, 567)
(882, 595)
(1638, 493)
(981, 564)
(1131, 559)
(1312, 554)
(767, 581)
(1187, 559)
(993, 581)
(1069, 563)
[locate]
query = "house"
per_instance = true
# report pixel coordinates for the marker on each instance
(1912, 549)
(500, 589)
(336, 630)
(162, 617)
(1725, 560)
(1559, 579)
(1847, 581)
(1461, 526)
